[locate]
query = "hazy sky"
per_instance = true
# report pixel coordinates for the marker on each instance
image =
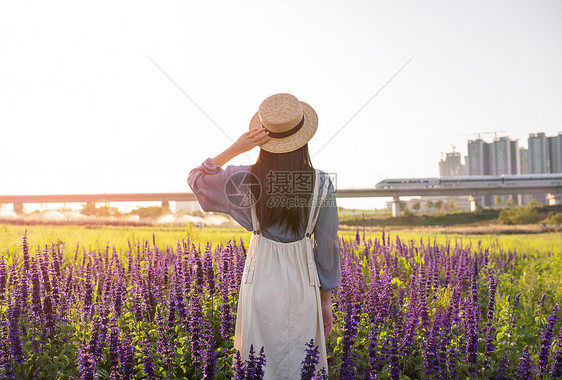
(83, 108)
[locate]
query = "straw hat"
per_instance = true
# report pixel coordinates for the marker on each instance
(291, 123)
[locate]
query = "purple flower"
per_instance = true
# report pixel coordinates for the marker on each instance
(210, 362)
(251, 368)
(209, 270)
(412, 318)
(422, 303)
(166, 340)
(394, 358)
(321, 374)
(196, 327)
(3, 278)
(88, 290)
(114, 344)
(118, 295)
(474, 291)
(98, 337)
(546, 342)
(489, 345)
(49, 313)
(452, 361)
(25, 250)
(238, 368)
(44, 265)
(255, 364)
(556, 368)
(471, 333)
(36, 305)
(16, 347)
(374, 357)
(197, 268)
(127, 356)
(492, 285)
(514, 308)
(226, 314)
(240, 260)
(430, 351)
(177, 293)
(525, 367)
(310, 361)
(502, 368)
(147, 360)
(86, 364)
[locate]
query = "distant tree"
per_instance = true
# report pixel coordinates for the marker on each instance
(498, 201)
(416, 206)
(407, 213)
(519, 215)
(534, 203)
(452, 204)
(202, 213)
(429, 204)
(439, 204)
(510, 202)
(105, 210)
(151, 212)
(554, 218)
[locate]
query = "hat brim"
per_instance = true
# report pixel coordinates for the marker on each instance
(293, 142)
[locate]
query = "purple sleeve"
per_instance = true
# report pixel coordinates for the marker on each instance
(207, 181)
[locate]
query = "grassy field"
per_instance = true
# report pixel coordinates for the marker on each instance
(98, 237)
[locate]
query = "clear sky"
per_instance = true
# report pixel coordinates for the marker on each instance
(83, 109)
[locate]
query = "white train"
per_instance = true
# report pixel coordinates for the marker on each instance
(473, 181)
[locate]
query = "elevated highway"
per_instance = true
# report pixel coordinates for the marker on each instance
(390, 188)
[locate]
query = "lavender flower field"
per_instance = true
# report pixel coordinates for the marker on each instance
(406, 309)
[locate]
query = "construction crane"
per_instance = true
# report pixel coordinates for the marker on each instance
(486, 133)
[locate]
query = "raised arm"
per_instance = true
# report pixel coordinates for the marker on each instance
(208, 179)
(246, 142)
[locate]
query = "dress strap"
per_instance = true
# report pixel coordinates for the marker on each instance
(316, 202)
(255, 221)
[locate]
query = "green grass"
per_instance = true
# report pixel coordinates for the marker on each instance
(99, 236)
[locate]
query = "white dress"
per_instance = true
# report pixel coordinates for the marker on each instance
(279, 304)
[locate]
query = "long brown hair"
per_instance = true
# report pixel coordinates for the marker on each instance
(277, 213)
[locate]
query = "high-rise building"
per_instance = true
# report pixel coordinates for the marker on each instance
(504, 157)
(451, 165)
(515, 159)
(524, 160)
(538, 154)
(478, 157)
(496, 158)
(555, 153)
(544, 154)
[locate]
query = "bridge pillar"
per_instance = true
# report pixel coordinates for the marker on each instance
(553, 199)
(472, 203)
(165, 204)
(18, 208)
(396, 206)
